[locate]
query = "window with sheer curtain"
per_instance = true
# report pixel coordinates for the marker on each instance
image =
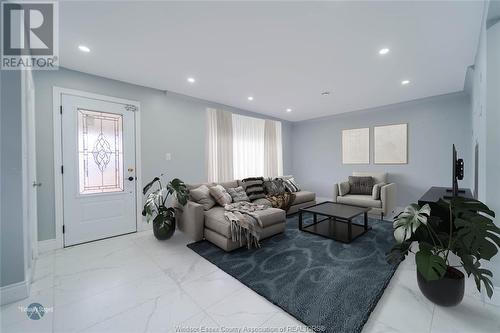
(241, 146)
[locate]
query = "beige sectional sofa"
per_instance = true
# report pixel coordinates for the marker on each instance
(212, 225)
(382, 204)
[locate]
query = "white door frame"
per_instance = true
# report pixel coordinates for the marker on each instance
(58, 177)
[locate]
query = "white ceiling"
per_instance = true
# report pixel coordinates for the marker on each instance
(284, 54)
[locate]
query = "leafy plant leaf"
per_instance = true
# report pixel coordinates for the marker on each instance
(406, 223)
(431, 266)
(398, 252)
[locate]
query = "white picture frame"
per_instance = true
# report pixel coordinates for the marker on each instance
(390, 144)
(356, 146)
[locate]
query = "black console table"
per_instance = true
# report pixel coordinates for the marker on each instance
(433, 195)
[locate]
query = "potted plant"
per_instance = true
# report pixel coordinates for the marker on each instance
(155, 206)
(469, 233)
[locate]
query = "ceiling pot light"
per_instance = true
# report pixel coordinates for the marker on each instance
(405, 82)
(288, 110)
(84, 48)
(250, 98)
(191, 80)
(383, 51)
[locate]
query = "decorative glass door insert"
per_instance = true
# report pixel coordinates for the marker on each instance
(100, 152)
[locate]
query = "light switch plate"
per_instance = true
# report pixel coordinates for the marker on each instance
(168, 156)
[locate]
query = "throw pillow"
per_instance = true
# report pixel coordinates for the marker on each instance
(376, 191)
(202, 196)
(361, 185)
(238, 194)
(254, 187)
(344, 188)
(280, 185)
(274, 187)
(220, 195)
(291, 185)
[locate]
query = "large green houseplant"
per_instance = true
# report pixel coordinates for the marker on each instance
(469, 233)
(155, 206)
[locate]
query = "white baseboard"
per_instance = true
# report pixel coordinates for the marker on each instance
(14, 292)
(47, 246)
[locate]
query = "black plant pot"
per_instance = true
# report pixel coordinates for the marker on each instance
(163, 228)
(448, 291)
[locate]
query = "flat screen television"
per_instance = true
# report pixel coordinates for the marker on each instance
(457, 173)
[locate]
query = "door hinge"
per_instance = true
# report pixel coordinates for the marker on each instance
(62, 168)
(60, 109)
(63, 228)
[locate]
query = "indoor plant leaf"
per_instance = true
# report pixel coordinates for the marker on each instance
(431, 266)
(406, 223)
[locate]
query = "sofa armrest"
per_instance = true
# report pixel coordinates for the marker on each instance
(191, 220)
(335, 192)
(388, 197)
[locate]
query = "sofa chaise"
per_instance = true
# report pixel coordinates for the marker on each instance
(212, 225)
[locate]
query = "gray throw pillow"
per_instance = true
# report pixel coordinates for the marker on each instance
(254, 187)
(202, 196)
(274, 187)
(376, 191)
(220, 195)
(361, 185)
(344, 188)
(238, 194)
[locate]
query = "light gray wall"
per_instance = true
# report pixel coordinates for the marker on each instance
(485, 109)
(434, 124)
(493, 133)
(11, 195)
(170, 123)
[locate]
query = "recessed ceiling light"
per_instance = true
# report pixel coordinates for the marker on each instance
(383, 51)
(191, 80)
(288, 110)
(83, 48)
(250, 98)
(325, 93)
(405, 82)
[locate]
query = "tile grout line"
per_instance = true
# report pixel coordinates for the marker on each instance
(432, 318)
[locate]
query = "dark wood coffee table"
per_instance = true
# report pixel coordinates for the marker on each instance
(337, 222)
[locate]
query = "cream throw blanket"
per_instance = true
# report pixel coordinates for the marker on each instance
(245, 224)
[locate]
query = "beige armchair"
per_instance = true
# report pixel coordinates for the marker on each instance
(382, 201)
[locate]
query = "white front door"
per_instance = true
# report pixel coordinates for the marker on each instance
(99, 180)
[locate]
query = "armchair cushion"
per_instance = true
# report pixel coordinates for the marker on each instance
(361, 200)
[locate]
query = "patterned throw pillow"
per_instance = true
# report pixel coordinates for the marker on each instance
(202, 196)
(220, 195)
(361, 185)
(291, 184)
(254, 187)
(274, 187)
(238, 194)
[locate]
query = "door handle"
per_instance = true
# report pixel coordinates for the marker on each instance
(36, 184)
(131, 178)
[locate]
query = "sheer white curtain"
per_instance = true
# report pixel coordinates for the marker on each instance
(239, 147)
(248, 146)
(219, 145)
(273, 159)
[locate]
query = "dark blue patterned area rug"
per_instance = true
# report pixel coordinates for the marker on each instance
(321, 282)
